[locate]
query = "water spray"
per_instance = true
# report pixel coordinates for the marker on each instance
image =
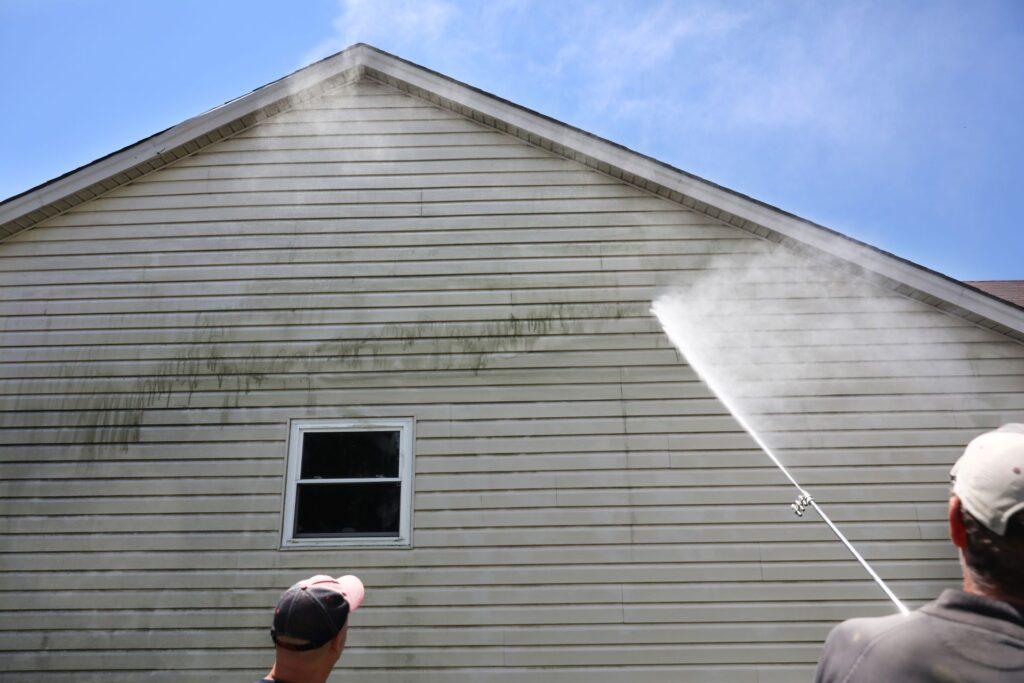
(804, 499)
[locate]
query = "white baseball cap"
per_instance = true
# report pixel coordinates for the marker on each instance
(989, 477)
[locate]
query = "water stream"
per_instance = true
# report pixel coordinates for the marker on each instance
(683, 334)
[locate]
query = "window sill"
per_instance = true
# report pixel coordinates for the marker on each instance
(345, 543)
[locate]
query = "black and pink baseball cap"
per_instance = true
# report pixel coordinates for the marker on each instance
(314, 610)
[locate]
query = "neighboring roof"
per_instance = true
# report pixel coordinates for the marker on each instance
(1007, 290)
(22, 211)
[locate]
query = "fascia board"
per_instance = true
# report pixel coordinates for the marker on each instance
(181, 134)
(789, 226)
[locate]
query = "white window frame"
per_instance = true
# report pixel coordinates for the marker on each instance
(297, 430)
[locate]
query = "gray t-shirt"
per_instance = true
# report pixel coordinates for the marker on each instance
(958, 638)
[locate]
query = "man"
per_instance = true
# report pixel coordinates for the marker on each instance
(975, 634)
(310, 627)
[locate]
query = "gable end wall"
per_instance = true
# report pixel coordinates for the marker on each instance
(585, 510)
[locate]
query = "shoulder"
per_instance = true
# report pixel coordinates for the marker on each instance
(854, 641)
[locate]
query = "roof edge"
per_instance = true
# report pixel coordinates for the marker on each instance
(87, 182)
(47, 198)
(740, 210)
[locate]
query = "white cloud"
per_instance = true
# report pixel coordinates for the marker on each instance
(389, 23)
(698, 66)
(814, 80)
(612, 52)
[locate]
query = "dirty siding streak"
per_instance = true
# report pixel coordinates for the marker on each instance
(373, 255)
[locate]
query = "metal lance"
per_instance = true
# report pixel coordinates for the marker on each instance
(804, 499)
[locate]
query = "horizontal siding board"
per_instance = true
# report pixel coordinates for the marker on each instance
(426, 559)
(398, 391)
(347, 99)
(951, 353)
(429, 121)
(366, 253)
(446, 136)
(268, 518)
(148, 486)
(358, 255)
(333, 359)
(482, 656)
(517, 284)
(307, 197)
(439, 267)
(403, 323)
(222, 311)
(366, 168)
(695, 474)
(360, 298)
(466, 329)
(130, 447)
(554, 537)
(696, 674)
(414, 657)
(542, 316)
(415, 111)
(574, 322)
(483, 178)
(161, 390)
(364, 209)
(153, 505)
(553, 418)
(141, 352)
(432, 419)
(563, 497)
(348, 223)
(349, 364)
(549, 596)
(179, 523)
(493, 636)
(692, 240)
(167, 376)
(342, 155)
(509, 575)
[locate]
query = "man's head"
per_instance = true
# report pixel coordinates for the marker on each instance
(311, 625)
(986, 512)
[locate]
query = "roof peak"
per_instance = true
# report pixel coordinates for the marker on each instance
(362, 60)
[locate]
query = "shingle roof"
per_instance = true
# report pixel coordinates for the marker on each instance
(1008, 290)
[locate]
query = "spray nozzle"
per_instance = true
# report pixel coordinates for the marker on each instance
(801, 503)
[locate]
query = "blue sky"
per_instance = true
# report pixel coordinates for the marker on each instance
(898, 123)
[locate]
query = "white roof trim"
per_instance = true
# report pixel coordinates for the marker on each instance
(535, 127)
(227, 114)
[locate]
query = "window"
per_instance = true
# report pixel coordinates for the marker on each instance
(349, 483)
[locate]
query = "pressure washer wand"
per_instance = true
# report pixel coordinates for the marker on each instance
(803, 501)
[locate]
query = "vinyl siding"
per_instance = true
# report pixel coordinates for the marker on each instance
(585, 510)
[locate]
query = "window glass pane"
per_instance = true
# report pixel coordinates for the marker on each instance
(348, 509)
(349, 455)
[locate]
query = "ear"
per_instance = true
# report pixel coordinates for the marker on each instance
(957, 532)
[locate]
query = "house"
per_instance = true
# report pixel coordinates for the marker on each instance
(368, 258)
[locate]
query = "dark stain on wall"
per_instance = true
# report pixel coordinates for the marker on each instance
(115, 414)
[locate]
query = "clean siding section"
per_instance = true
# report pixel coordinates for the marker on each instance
(585, 509)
